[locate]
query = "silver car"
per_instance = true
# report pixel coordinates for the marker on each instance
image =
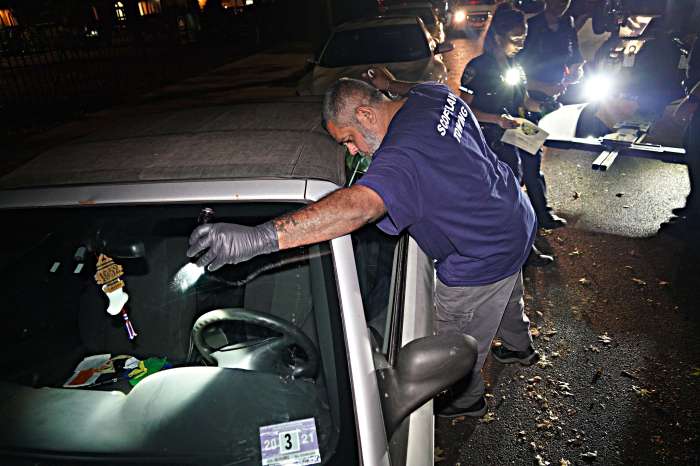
(402, 44)
(316, 355)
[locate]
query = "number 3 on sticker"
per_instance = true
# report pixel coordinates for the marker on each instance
(289, 441)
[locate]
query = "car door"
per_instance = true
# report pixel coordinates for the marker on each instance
(396, 281)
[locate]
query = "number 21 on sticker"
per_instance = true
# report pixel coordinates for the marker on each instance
(289, 441)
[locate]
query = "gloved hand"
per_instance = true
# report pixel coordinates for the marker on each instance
(229, 243)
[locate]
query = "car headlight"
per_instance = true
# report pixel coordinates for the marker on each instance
(598, 87)
(460, 16)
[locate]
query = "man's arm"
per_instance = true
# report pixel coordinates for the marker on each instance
(337, 214)
(382, 79)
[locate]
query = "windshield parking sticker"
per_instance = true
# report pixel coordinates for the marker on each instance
(290, 443)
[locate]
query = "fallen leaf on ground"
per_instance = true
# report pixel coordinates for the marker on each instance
(605, 339)
(575, 252)
(639, 282)
(564, 462)
(619, 194)
(695, 372)
(642, 392)
(544, 424)
(629, 375)
(541, 461)
(488, 417)
(594, 349)
(576, 195)
(590, 455)
(534, 331)
(544, 362)
(584, 281)
(664, 283)
(438, 454)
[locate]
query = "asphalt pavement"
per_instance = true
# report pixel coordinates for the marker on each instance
(615, 316)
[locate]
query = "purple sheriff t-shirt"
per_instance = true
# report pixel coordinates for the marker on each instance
(441, 182)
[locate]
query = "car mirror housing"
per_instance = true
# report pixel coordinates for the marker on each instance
(424, 367)
(444, 47)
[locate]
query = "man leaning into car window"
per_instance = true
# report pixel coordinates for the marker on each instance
(432, 175)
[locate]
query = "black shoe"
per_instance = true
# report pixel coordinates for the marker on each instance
(551, 222)
(538, 259)
(506, 356)
(478, 409)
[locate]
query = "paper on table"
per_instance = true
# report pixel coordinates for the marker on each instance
(528, 136)
(88, 371)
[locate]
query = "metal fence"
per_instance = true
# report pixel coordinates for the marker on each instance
(51, 71)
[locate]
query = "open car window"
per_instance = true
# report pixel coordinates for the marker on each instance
(380, 265)
(277, 356)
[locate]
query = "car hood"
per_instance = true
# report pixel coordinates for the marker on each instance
(321, 78)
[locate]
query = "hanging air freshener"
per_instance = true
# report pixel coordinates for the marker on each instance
(107, 275)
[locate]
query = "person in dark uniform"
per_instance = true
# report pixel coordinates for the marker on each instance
(551, 55)
(494, 86)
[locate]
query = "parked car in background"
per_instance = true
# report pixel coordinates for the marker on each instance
(425, 11)
(469, 16)
(402, 44)
(323, 354)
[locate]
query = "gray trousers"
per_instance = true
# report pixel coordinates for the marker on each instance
(483, 312)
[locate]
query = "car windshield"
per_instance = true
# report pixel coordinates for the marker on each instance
(266, 358)
(401, 42)
(426, 14)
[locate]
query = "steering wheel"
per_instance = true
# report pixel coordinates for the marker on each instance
(266, 355)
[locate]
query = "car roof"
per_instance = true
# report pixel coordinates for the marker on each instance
(253, 140)
(378, 21)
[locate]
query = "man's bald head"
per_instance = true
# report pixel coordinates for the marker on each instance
(345, 96)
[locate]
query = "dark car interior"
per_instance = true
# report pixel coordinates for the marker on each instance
(265, 347)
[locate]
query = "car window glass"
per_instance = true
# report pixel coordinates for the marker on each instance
(376, 258)
(54, 315)
(426, 14)
(359, 46)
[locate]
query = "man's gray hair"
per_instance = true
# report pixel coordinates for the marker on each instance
(344, 96)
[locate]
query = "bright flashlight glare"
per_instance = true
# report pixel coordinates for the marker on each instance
(187, 276)
(512, 76)
(460, 16)
(598, 87)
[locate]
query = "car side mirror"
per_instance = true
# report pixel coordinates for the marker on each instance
(444, 47)
(424, 367)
